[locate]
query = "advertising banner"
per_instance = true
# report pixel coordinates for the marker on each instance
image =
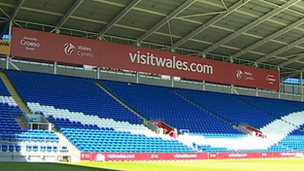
(66, 49)
(5, 47)
(87, 156)
(54, 47)
(142, 156)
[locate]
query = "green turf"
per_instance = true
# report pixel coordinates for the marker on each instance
(210, 165)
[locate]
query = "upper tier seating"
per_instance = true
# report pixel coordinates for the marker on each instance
(75, 94)
(228, 107)
(296, 103)
(160, 103)
(3, 90)
(275, 107)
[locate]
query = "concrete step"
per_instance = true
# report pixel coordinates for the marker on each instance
(73, 150)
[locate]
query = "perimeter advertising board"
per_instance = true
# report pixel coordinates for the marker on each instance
(71, 50)
(95, 156)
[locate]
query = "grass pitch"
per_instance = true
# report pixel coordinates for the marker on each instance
(208, 165)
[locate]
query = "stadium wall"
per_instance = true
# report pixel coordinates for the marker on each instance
(184, 156)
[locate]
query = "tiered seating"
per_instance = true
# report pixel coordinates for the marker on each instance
(91, 138)
(228, 107)
(275, 107)
(3, 89)
(90, 133)
(232, 143)
(161, 103)
(75, 94)
(8, 125)
(296, 103)
(62, 115)
(102, 140)
(43, 136)
(94, 122)
(294, 140)
(9, 128)
(13, 138)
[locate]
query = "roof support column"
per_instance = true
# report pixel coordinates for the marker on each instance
(8, 58)
(280, 85)
(232, 88)
(137, 77)
(55, 68)
(257, 92)
(98, 73)
(301, 85)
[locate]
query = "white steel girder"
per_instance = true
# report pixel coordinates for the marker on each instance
(209, 23)
(170, 16)
(13, 16)
(121, 14)
(68, 15)
(294, 59)
(251, 25)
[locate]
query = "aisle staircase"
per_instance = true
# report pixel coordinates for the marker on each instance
(14, 93)
(73, 152)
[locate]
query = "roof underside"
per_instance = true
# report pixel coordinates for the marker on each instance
(264, 33)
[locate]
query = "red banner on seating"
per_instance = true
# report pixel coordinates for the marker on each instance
(54, 47)
(87, 156)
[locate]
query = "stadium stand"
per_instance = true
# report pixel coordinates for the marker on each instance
(107, 116)
(161, 103)
(94, 121)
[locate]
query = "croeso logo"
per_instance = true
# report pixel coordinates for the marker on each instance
(239, 74)
(69, 48)
(270, 79)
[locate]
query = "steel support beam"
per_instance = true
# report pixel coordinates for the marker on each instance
(68, 14)
(119, 16)
(281, 50)
(295, 73)
(169, 17)
(269, 38)
(17, 9)
(251, 25)
(298, 57)
(13, 16)
(4, 21)
(209, 23)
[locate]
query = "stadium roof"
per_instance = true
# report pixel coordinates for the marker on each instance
(264, 33)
